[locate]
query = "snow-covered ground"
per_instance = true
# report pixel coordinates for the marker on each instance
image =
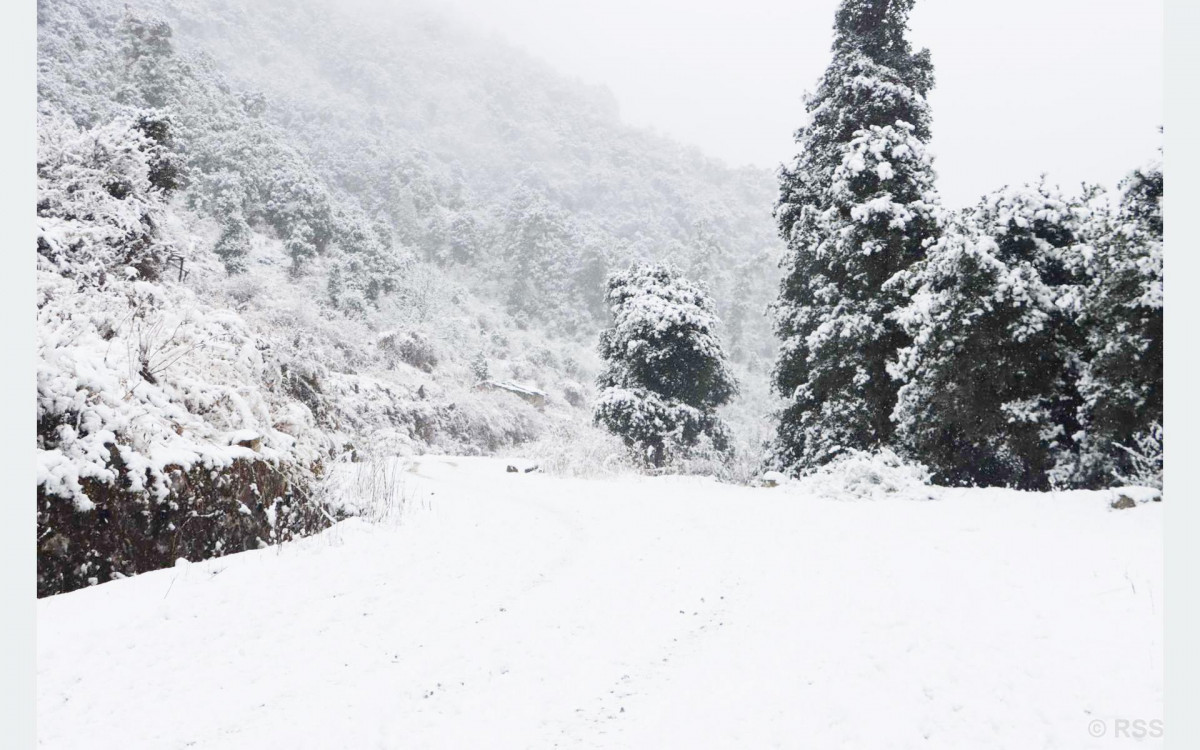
(508, 610)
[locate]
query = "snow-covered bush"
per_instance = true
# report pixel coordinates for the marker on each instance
(666, 373)
(157, 435)
(867, 475)
(98, 211)
(739, 463)
(410, 348)
(573, 394)
(572, 449)
(1143, 460)
(370, 486)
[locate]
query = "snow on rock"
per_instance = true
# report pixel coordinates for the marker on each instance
(526, 610)
(774, 478)
(525, 392)
(1141, 494)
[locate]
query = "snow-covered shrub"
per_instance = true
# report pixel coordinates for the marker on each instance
(98, 212)
(148, 451)
(739, 463)
(382, 417)
(475, 423)
(371, 486)
(1143, 460)
(573, 394)
(571, 449)
(410, 348)
(666, 372)
(867, 475)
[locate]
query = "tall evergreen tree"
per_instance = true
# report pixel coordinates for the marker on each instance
(1122, 384)
(990, 393)
(666, 373)
(856, 207)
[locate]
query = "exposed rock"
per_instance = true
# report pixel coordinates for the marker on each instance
(1122, 502)
(773, 479)
(531, 395)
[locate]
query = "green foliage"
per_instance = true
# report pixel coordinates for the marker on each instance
(1122, 386)
(989, 395)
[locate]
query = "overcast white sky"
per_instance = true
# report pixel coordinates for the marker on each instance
(1069, 87)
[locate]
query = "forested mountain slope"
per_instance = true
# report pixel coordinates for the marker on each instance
(275, 237)
(467, 152)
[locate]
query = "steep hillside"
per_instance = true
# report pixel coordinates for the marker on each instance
(275, 238)
(473, 156)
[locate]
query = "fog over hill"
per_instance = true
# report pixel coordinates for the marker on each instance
(381, 210)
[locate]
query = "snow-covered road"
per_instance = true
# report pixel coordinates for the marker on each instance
(527, 611)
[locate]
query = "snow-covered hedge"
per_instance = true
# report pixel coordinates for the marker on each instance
(867, 475)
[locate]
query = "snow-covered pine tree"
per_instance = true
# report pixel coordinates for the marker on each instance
(666, 373)
(234, 243)
(990, 378)
(1122, 383)
(166, 172)
(856, 207)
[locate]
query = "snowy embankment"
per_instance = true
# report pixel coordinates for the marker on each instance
(522, 610)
